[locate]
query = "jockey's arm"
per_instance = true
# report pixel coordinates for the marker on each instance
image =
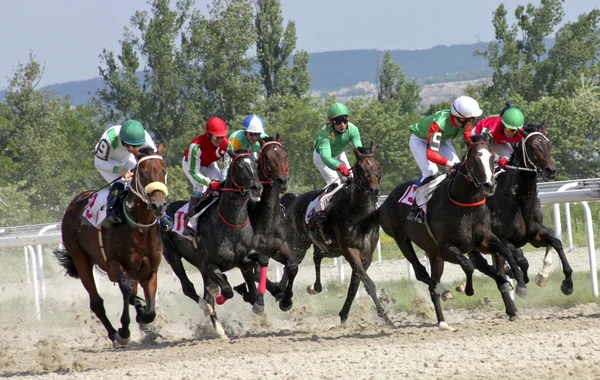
(467, 133)
(434, 141)
(324, 149)
(194, 154)
(356, 141)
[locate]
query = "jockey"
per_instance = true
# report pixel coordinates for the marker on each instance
(200, 161)
(430, 140)
(329, 156)
(115, 162)
(504, 130)
(247, 138)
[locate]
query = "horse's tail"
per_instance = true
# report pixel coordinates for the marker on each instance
(369, 225)
(66, 261)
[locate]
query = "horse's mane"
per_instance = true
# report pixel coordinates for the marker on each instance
(480, 138)
(268, 139)
(533, 127)
(146, 151)
(365, 150)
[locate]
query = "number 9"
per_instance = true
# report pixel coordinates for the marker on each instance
(103, 150)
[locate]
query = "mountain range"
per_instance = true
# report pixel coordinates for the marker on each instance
(333, 70)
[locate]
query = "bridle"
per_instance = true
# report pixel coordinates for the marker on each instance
(236, 187)
(262, 167)
(527, 161)
(148, 189)
(368, 174)
(469, 176)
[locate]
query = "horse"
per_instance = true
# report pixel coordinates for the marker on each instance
(517, 217)
(457, 221)
(129, 253)
(266, 219)
(357, 198)
(224, 239)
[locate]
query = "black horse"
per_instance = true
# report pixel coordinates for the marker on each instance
(225, 238)
(356, 199)
(457, 221)
(517, 217)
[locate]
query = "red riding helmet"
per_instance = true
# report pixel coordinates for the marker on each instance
(216, 126)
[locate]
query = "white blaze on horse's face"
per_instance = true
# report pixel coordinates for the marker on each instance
(486, 157)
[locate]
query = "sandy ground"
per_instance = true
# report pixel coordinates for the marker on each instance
(69, 342)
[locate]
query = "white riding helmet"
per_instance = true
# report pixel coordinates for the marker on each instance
(465, 106)
(254, 124)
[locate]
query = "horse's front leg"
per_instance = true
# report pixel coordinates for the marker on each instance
(207, 303)
(453, 255)
(548, 239)
(124, 334)
(150, 285)
(495, 246)
(218, 278)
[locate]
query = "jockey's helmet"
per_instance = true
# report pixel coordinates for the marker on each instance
(513, 118)
(132, 133)
(466, 107)
(254, 124)
(215, 126)
(335, 110)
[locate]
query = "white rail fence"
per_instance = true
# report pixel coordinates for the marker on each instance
(555, 193)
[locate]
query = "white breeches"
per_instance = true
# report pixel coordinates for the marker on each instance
(329, 175)
(211, 171)
(418, 148)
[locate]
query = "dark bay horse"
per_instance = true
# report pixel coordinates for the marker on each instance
(267, 221)
(225, 238)
(457, 221)
(356, 199)
(129, 253)
(517, 217)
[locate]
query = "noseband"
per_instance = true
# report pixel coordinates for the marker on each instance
(143, 195)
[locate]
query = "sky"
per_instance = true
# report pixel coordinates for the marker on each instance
(67, 36)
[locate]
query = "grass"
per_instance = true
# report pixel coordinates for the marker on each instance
(409, 296)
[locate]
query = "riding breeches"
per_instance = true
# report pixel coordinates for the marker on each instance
(211, 171)
(503, 150)
(418, 148)
(329, 176)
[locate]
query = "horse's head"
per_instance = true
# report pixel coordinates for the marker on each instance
(537, 150)
(149, 181)
(273, 164)
(367, 170)
(478, 164)
(243, 174)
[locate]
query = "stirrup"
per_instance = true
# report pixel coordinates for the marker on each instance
(166, 223)
(416, 216)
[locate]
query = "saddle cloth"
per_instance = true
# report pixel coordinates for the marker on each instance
(422, 194)
(95, 211)
(321, 201)
(179, 219)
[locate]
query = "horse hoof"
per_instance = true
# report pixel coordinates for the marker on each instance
(461, 288)
(120, 342)
(447, 295)
(311, 290)
(521, 291)
(469, 292)
(258, 309)
(567, 288)
(444, 326)
(285, 306)
(513, 318)
(541, 279)
(219, 330)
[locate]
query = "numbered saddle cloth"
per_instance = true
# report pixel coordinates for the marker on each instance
(95, 211)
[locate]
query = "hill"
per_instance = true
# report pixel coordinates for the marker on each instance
(338, 69)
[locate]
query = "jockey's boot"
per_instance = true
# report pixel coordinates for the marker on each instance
(166, 223)
(113, 214)
(187, 231)
(416, 215)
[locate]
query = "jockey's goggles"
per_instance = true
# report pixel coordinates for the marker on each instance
(254, 134)
(340, 120)
(216, 137)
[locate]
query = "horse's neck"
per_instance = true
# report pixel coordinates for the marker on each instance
(138, 210)
(265, 213)
(233, 207)
(525, 181)
(463, 191)
(361, 202)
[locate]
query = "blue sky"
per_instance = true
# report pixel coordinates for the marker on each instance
(68, 35)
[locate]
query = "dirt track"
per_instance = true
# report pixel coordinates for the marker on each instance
(69, 342)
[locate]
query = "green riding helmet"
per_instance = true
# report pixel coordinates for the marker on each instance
(133, 133)
(513, 118)
(335, 110)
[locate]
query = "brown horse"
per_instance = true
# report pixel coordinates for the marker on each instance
(129, 253)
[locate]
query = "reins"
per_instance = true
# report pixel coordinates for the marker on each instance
(236, 189)
(526, 160)
(469, 177)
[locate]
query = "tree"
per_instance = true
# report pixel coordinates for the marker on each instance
(274, 47)
(393, 90)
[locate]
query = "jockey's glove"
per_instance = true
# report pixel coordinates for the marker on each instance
(344, 170)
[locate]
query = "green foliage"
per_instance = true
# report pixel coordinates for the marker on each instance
(394, 90)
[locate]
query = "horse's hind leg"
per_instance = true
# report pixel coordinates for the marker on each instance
(522, 261)
(351, 294)
(316, 288)
(437, 268)
(207, 303)
(86, 275)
